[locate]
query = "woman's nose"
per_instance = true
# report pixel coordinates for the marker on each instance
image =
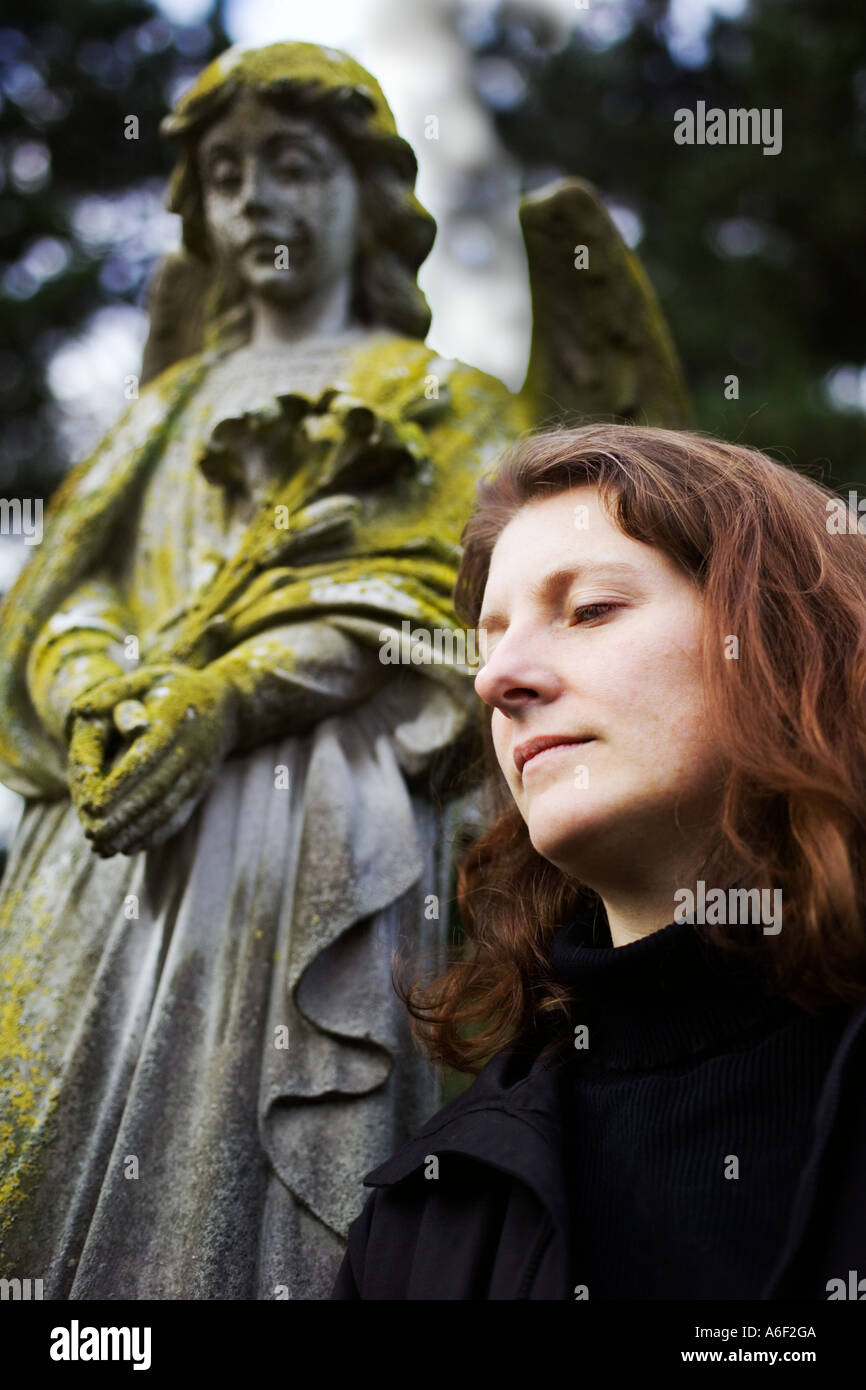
(510, 676)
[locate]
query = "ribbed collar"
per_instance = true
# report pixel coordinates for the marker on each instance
(662, 999)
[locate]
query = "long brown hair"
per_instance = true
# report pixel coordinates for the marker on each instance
(756, 538)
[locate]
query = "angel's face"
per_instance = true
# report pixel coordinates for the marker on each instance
(281, 200)
(593, 638)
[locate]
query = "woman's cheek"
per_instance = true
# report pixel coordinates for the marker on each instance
(499, 734)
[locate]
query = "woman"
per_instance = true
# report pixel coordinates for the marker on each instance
(666, 965)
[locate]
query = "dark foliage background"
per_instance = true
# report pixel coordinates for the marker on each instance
(70, 71)
(759, 260)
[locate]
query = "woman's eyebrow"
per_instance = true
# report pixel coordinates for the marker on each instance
(557, 580)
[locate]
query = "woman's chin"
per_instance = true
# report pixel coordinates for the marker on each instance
(561, 833)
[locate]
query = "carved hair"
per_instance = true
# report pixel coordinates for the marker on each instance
(193, 302)
(753, 536)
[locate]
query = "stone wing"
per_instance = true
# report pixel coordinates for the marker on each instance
(600, 345)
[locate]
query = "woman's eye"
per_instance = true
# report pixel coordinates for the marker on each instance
(591, 611)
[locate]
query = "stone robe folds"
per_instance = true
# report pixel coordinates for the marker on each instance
(202, 1052)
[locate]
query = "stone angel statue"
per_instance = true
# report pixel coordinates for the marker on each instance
(236, 809)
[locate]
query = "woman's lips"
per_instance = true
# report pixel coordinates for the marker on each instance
(554, 749)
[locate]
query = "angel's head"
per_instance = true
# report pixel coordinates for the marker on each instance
(688, 616)
(291, 175)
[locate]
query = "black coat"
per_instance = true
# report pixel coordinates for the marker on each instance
(493, 1224)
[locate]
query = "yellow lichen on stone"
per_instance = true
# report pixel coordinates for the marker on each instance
(27, 1092)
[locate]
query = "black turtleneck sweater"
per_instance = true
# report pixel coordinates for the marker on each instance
(688, 1116)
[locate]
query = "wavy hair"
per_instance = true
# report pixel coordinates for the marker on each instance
(396, 232)
(756, 539)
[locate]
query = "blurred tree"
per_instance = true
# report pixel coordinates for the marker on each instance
(758, 259)
(70, 76)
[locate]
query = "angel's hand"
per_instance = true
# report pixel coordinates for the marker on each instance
(189, 725)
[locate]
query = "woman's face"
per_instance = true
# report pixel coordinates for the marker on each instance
(281, 200)
(594, 639)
